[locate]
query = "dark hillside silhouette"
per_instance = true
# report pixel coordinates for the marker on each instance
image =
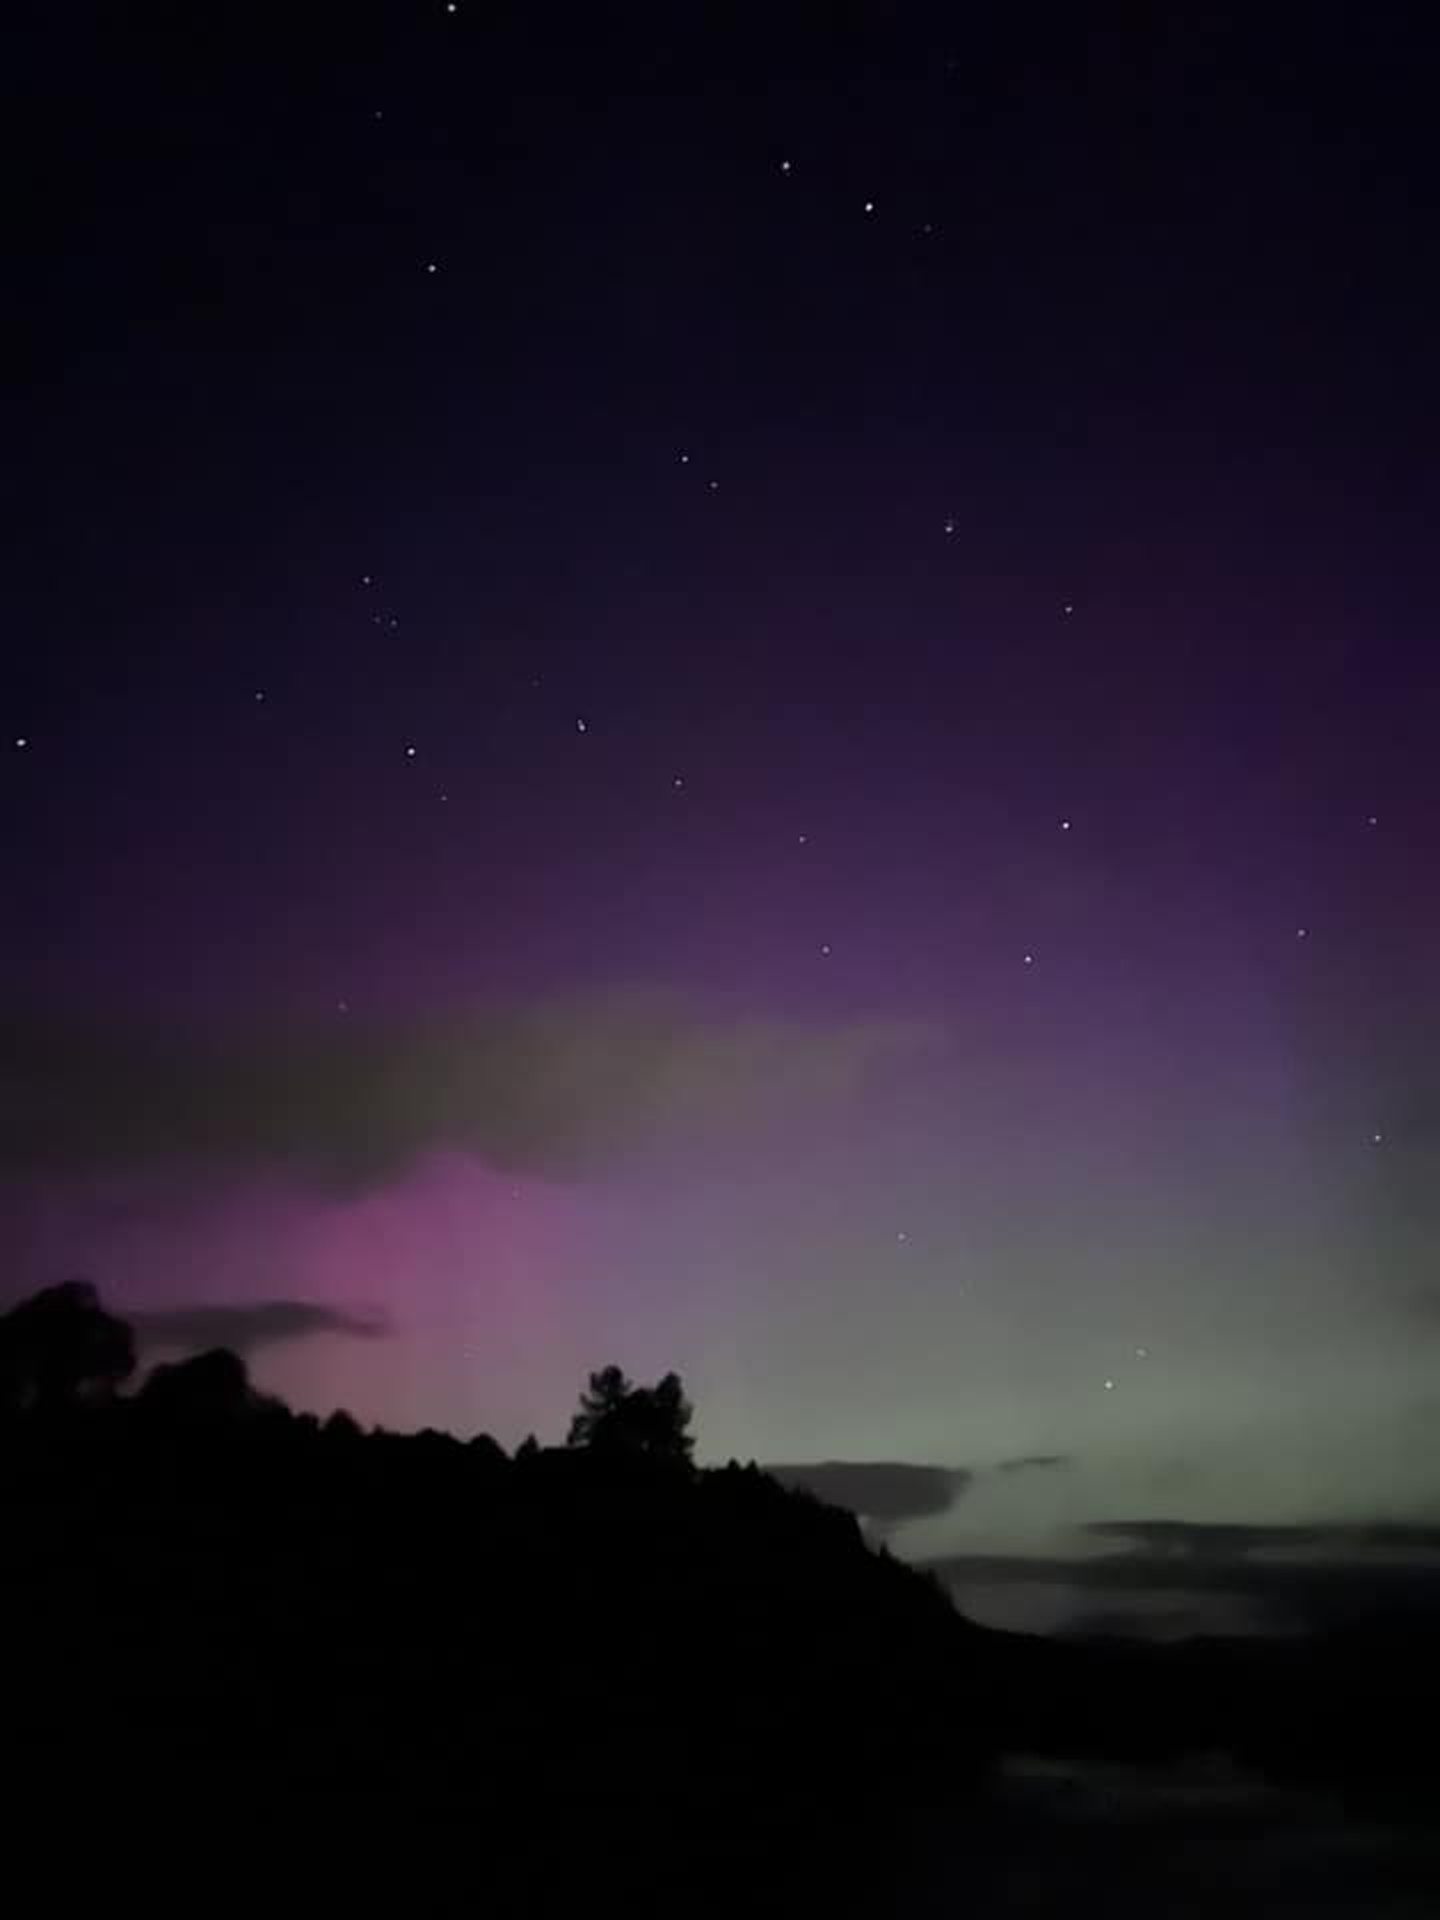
(270, 1613)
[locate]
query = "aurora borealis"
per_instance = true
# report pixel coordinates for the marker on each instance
(753, 699)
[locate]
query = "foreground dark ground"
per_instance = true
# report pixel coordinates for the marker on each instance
(278, 1626)
(596, 1665)
(285, 1632)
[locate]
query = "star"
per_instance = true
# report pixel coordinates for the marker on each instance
(582, 726)
(1372, 820)
(259, 696)
(949, 526)
(367, 579)
(784, 166)
(1377, 1138)
(714, 485)
(1142, 1353)
(802, 839)
(902, 1236)
(342, 1006)
(444, 796)
(410, 753)
(1065, 826)
(1109, 1386)
(825, 947)
(1069, 607)
(678, 783)
(1302, 933)
(684, 459)
(1028, 959)
(21, 741)
(869, 206)
(431, 266)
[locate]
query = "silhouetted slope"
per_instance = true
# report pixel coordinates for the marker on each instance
(253, 1613)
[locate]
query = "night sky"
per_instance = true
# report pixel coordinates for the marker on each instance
(743, 689)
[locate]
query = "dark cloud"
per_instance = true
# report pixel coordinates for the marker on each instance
(1037, 1462)
(883, 1491)
(246, 1327)
(553, 1088)
(1209, 1540)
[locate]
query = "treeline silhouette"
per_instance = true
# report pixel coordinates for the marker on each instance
(271, 1612)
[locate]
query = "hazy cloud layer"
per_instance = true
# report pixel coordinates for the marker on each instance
(1301, 1576)
(883, 1491)
(552, 1088)
(245, 1328)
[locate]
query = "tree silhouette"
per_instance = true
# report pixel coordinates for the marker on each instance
(206, 1388)
(669, 1416)
(60, 1349)
(602, 1409)
(616, 1417)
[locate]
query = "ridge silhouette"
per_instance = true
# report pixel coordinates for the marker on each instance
(270, 1611)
